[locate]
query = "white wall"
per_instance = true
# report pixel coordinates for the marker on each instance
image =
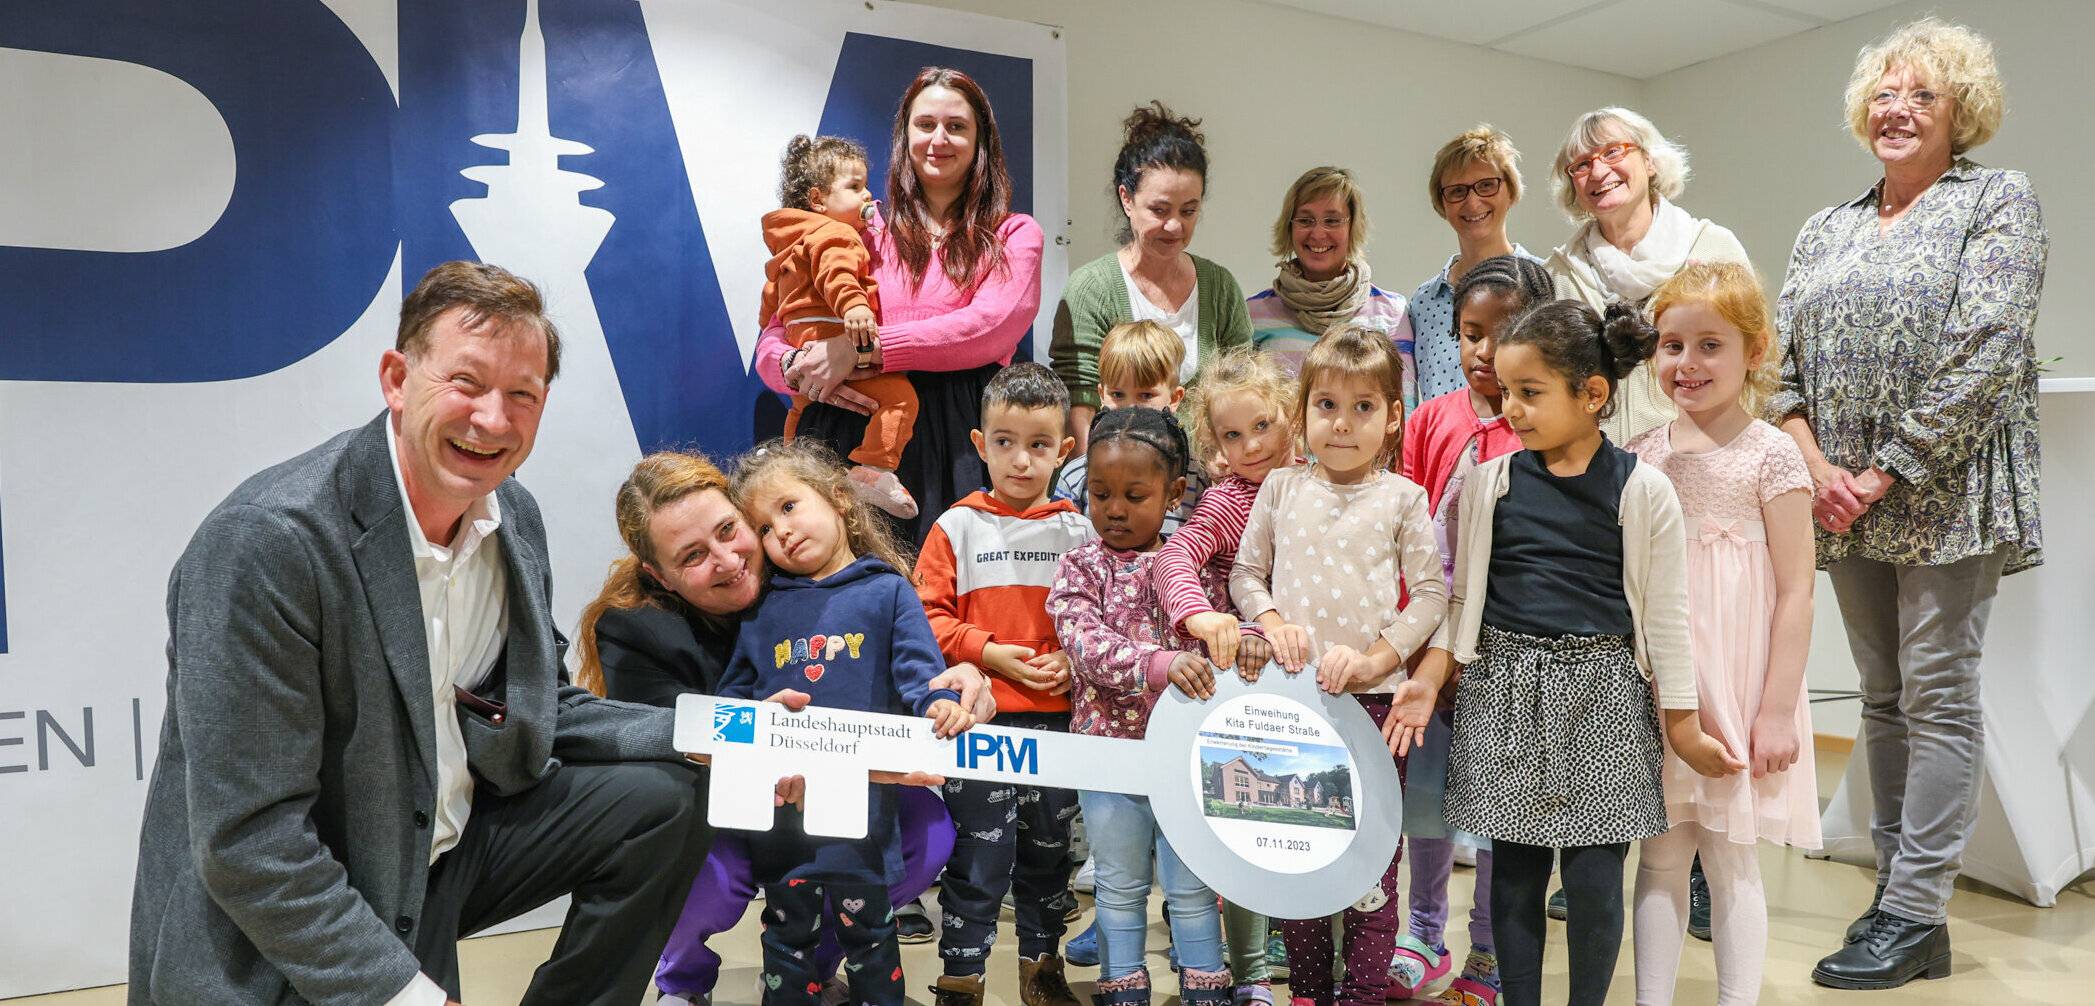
(1281, 91)
(1769, 146)
(1770, 143)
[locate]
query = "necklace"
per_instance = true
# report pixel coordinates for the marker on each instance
(935, 229)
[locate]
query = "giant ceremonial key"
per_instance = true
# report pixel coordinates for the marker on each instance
(1282, 798)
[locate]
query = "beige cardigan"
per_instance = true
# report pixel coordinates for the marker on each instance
(1654, 575)
(1639, 404)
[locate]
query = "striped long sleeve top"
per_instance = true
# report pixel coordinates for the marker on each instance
(1208, 538)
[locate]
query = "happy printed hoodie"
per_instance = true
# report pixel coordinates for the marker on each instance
(856, 639)
(984, 576)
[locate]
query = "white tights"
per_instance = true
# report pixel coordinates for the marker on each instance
(1738, 913)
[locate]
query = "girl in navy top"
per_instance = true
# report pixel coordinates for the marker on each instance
(843, 625)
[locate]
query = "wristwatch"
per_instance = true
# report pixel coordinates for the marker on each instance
(785, 368)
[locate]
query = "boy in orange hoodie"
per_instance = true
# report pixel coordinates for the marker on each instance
(819, 284)
(984, 575)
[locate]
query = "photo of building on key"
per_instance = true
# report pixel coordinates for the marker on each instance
(1304, 784)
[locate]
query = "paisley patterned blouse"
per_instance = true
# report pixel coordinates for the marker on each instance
(1913, 352)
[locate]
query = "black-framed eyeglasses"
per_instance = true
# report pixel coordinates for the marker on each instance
(1486, 187)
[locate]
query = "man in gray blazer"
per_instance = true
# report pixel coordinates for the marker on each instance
(369, 751)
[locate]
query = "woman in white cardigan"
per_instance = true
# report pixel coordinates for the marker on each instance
(1616, 176)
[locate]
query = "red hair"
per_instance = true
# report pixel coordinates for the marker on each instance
(971, 247)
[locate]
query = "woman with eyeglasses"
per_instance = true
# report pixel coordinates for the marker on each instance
(1474, 183)
(1321, 239)
(1909, 379)
(1616, 177)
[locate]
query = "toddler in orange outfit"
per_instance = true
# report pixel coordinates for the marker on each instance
(819, 284)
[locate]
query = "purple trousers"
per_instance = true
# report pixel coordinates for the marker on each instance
(721, 893)
(1432, 867)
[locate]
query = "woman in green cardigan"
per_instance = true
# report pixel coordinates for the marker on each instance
(1161, 177)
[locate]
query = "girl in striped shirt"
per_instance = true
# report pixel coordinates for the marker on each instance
(1240, 410)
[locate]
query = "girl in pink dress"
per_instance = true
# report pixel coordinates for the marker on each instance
(1746, 497)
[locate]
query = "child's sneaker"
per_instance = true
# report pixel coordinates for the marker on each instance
(1083, 951)
(1252, 994)
(1479, 984)
(1276, 956)
(913, 923)
(1416, 969)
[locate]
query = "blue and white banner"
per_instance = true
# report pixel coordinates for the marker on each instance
(207, 213)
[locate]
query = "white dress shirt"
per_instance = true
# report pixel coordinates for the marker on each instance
(465, 618)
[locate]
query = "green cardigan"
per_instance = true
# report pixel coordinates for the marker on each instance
(1096, 299)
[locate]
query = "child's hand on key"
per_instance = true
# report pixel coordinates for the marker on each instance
(1193, 676)
(1253, 654)
(1341, 668)
(948, 718)
(1290, 645)
(1219, 632)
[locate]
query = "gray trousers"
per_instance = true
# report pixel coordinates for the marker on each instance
(1916, 632)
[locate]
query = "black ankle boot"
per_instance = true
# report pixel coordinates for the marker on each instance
(1893, 951)
(1861, 924)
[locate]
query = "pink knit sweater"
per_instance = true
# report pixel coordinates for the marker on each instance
(936, 325)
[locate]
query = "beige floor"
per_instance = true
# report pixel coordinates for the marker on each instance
(2006, 951)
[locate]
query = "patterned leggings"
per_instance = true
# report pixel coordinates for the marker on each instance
(1370, 936)
(865, 926)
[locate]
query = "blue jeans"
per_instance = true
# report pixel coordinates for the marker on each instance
(1123, 836)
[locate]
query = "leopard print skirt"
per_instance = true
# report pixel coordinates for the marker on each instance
(1556, 743)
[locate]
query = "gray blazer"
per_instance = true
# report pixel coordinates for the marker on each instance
(285, 852)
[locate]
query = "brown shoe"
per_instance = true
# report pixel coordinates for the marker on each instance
(1040, 982)
(950, 990)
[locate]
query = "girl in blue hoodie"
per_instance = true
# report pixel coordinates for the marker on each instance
(842, 624)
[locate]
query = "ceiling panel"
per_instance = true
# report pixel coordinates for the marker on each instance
(1829, 10)
(1645, 38)
(1633, 38)
(1475, 24)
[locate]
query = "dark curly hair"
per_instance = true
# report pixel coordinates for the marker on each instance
(811, 162)
(1156, 429)
(1156, 138)
(1580, 343)
(1525, 279)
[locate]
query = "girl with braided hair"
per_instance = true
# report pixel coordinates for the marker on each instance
(1123, 653)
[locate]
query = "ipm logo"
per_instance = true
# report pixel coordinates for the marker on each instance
(735, 724)
(1020, 755)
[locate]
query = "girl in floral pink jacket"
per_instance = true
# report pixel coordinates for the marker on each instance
(1123, 652)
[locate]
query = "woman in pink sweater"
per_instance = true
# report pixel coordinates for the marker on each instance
(959, 277)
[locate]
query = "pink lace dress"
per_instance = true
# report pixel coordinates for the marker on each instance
(1731, 609)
